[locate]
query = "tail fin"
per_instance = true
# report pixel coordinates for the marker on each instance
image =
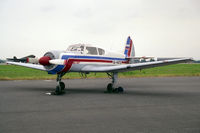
(129, 48)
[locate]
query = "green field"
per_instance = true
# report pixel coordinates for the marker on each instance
(10, 72)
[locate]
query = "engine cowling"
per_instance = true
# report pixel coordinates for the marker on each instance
(47, 59)
(49, 56)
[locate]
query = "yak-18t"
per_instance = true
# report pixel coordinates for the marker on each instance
(87, 58)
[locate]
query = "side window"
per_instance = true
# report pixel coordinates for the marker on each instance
(91, 50)
(101, 51)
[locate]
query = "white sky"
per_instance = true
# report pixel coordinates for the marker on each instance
(160, 28)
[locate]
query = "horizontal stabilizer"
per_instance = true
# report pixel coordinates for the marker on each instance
(23, 59)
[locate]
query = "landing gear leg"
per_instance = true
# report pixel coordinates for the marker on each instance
(60, 88)
(111, 87)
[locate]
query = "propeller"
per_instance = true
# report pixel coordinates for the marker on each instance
(46, 60)
(57, 62)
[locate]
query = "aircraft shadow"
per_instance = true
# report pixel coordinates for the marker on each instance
(157, 93)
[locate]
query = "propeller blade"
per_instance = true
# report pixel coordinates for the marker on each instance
(33, 60)
(57, 62)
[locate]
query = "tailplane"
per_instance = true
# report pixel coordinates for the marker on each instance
(129, 48)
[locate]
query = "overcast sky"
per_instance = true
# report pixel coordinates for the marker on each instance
(160, 28)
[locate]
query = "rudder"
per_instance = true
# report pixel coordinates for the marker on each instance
(129, 48)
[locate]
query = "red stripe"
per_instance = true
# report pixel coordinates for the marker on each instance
(129, 52)
(69, 62)
(125, 62)
(91, 60)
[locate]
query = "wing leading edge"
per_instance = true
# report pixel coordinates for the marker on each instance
(131, 67)
(34, 66)
(118, 68)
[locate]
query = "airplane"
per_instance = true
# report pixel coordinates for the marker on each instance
(23, 59)
(86, 58)
(2, 61)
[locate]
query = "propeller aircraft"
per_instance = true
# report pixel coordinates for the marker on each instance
(85, 58)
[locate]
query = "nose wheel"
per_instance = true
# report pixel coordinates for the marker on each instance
(60, 88)
(111, 87)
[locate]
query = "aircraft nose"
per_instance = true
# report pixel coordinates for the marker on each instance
(44, 60)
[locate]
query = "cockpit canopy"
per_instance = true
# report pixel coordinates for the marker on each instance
(85, 49)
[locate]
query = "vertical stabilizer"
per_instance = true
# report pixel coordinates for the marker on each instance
(129, 48)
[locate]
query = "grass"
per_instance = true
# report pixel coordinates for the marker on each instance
(10, 72)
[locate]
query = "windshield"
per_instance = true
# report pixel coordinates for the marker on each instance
(79, 48)
(91, 50)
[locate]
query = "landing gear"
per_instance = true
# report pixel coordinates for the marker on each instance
(60, 88)
(111, 87)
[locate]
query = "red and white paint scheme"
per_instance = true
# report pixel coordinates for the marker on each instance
(87, 58)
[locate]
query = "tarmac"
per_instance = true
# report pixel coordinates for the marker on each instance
(148, 105)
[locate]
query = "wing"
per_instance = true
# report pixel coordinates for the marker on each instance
(131, 67)
(34, 66)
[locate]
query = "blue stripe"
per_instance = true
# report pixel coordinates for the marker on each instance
(91, 57)
(57, 69)
(128, 40)
(126, 52)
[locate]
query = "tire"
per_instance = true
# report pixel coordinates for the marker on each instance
(110, 87)
(62, 85)
(120, 89)
(58, 89)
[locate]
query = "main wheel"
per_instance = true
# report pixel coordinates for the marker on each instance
(110, 87)
(120, 89)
